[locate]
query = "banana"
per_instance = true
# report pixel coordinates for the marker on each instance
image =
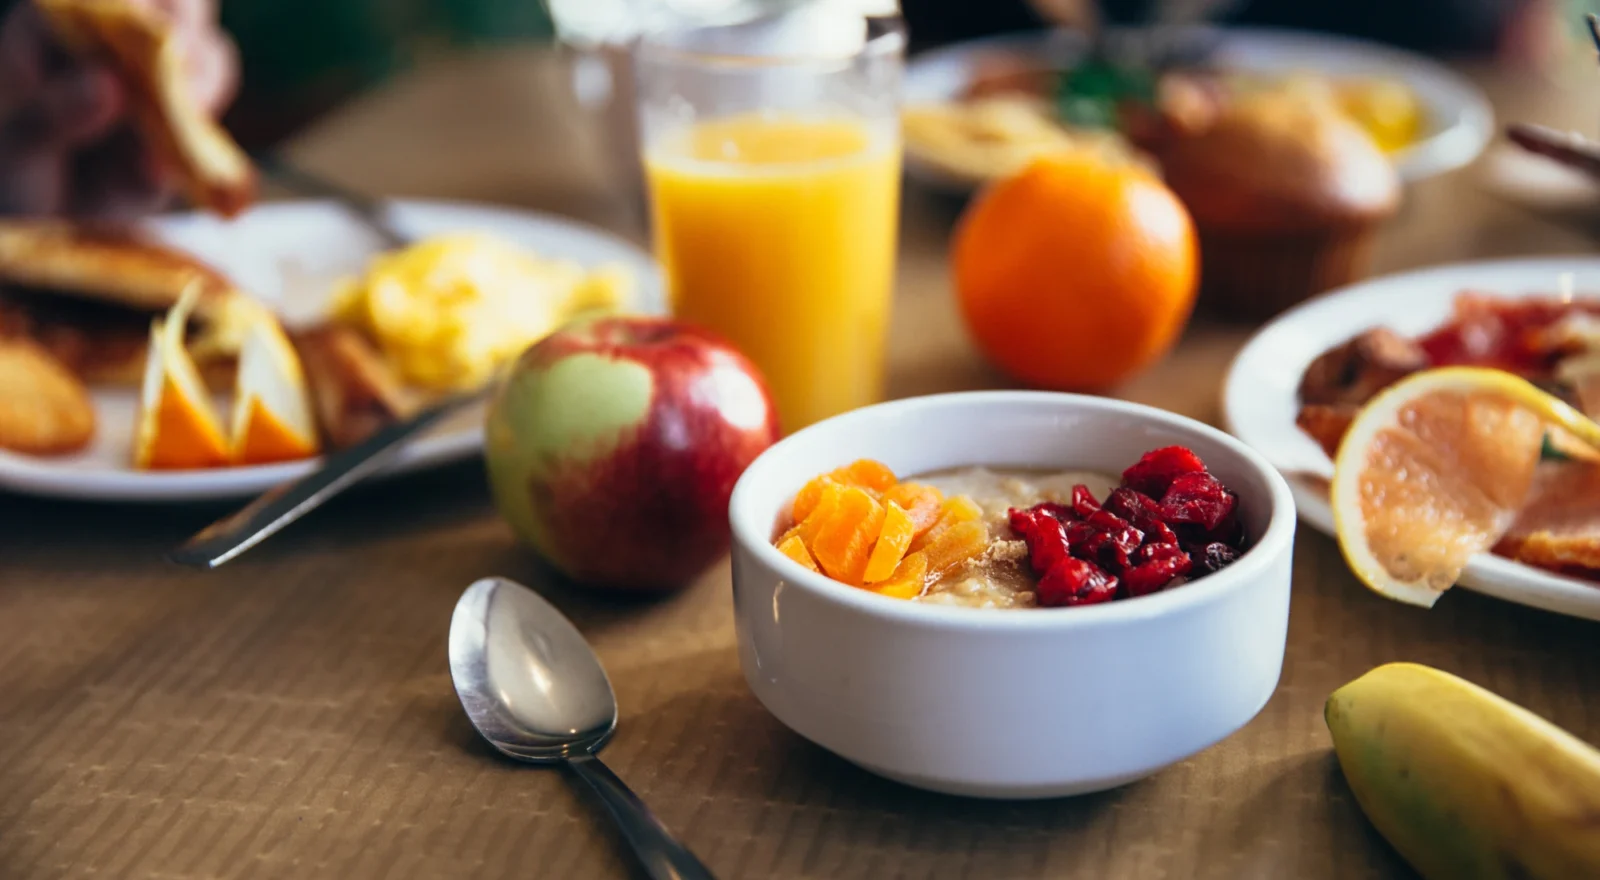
(1463, 783)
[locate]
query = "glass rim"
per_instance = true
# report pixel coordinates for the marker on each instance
(657, 47)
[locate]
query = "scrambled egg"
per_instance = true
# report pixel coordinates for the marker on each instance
(449, 311)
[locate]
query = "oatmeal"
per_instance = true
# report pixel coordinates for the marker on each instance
(1003, 538)
(1001, 577)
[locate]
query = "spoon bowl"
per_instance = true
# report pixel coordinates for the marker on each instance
(533, 687)
(526, 677)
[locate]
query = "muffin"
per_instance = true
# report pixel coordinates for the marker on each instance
(1286, 194)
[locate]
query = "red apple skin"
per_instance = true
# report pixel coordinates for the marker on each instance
(632, 492)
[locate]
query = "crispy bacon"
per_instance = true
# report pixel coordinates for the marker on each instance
(1559, 526)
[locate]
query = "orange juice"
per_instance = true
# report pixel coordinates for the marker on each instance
(779, 233)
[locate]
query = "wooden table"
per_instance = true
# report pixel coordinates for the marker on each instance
(291, 715)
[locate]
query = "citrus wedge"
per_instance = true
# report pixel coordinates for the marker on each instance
(1435, 469)
(272, 414)
(176, 428)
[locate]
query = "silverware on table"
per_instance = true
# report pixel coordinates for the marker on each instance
(278, 507)
(255, 522)
(536, 691)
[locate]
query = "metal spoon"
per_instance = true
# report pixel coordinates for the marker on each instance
(535, 690)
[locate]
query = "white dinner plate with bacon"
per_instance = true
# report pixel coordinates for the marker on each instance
(1262, 394)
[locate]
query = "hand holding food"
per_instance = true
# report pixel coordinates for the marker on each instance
(613, 446)
(1464, 783)
(112, 124)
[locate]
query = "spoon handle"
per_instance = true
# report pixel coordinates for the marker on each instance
(664, 858)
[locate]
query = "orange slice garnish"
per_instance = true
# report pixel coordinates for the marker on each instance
(177, 428)
(1435, 469)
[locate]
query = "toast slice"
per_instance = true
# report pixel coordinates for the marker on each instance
(355, 390)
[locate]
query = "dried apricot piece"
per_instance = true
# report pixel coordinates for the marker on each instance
(957, 544)
(842, 543)
(827, 503)
(910, 578)
(893, 539)
(867, 474)
(924, 503)
(955, 510)
(806, 499)
(795, 549)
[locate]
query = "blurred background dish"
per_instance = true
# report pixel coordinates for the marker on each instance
(291, 255)
(1453, 119)
(1260, 396)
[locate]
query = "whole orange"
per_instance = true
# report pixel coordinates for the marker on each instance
(1077, 272)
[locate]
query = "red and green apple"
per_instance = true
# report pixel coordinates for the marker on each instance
(613, 446)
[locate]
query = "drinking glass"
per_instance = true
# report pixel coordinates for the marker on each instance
(772, 158)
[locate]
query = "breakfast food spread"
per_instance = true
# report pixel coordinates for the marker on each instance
(982, 537)
(1524, 489)
(93, 305)
(139, 44)
(449, 311)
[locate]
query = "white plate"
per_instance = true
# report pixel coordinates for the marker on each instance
(1259, 399)
(288, 254)
(1460, 122)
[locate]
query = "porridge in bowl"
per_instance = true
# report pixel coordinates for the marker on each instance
(1010, 538)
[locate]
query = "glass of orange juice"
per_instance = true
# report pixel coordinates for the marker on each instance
(772, 155)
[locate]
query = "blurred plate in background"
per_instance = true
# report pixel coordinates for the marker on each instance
(1459, 120)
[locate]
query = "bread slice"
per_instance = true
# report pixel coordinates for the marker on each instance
(355, 390)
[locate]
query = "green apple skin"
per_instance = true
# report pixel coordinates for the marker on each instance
(613, 445)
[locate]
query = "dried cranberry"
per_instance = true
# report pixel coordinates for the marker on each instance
(1150, 577)
(1197, 499)
(1154, 473)
(1060, 512)
(1075, 582)
(1230, 531)
(1150, 552)
(1083, 502)
(1045, 536)
(1108, 540)
(1215, 556)
(1143, 512)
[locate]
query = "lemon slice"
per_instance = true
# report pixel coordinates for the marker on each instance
(1434, 470)
(176, 427)
(272, 414)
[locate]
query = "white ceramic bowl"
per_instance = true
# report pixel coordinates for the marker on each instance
(1010, 703)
